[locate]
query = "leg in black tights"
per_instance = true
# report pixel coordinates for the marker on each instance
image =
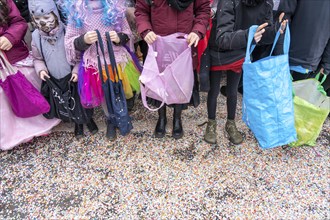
(213, 94)
(232, 86)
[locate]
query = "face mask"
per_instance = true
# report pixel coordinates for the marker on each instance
(47, 22)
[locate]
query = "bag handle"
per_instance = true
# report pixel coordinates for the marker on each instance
(144, 99)
(99, 44)
(3, 72)
(287, 40)
(113, 62)
(320, 87)
(250, 47)
(6, 64)
(317, 77)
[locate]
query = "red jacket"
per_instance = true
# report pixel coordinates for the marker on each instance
(165, 20)
(15, 32)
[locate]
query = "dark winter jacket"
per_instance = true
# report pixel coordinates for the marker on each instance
(310, 32)
(325, 62)
(15, 32)
(22, 6)
(229, 32)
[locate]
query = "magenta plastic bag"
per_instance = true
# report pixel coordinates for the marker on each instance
(25, 100)
(89, 87)
(167, 73)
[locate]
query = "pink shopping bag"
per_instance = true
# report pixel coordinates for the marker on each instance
(25, 100)
(167, 73)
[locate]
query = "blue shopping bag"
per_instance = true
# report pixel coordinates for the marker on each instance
(267, 99)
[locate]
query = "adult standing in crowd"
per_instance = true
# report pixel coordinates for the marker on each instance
(310, 37)
(165, 17)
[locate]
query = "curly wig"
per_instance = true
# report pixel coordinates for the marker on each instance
(78, 11)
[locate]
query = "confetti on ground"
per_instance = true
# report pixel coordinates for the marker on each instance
(140, 177)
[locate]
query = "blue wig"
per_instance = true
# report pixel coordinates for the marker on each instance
(77, 12)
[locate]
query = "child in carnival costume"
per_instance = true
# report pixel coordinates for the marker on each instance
(15, 130)
(84, 17)
(49, 54)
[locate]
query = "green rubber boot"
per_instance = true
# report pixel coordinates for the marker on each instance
(210, 135)
(234, 135)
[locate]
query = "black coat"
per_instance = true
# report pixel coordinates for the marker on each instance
(22, 6)
(229, 32)
(310, 32)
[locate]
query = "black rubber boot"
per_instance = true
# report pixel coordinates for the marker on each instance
(111, 131)
(92, 127)
(177, 132)
(78, 130)
(130, 103)
(160, 129)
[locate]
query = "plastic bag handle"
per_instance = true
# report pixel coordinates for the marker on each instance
(287, 39)
(320, 88)
(3, 72)
(8, 68)
(250, 47)
(144, 99)
(317, 77)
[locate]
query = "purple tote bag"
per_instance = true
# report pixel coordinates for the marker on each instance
(25, 100)
(167, 73)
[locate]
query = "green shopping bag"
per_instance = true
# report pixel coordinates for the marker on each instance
(311, 108)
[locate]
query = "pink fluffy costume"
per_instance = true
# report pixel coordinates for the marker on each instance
(15, 130)
(106, 16)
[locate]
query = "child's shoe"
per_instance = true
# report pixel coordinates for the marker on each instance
(210, 135)
(92, 127)
(130, 103)
(233, 134)
(78, 130)
(111, 132)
